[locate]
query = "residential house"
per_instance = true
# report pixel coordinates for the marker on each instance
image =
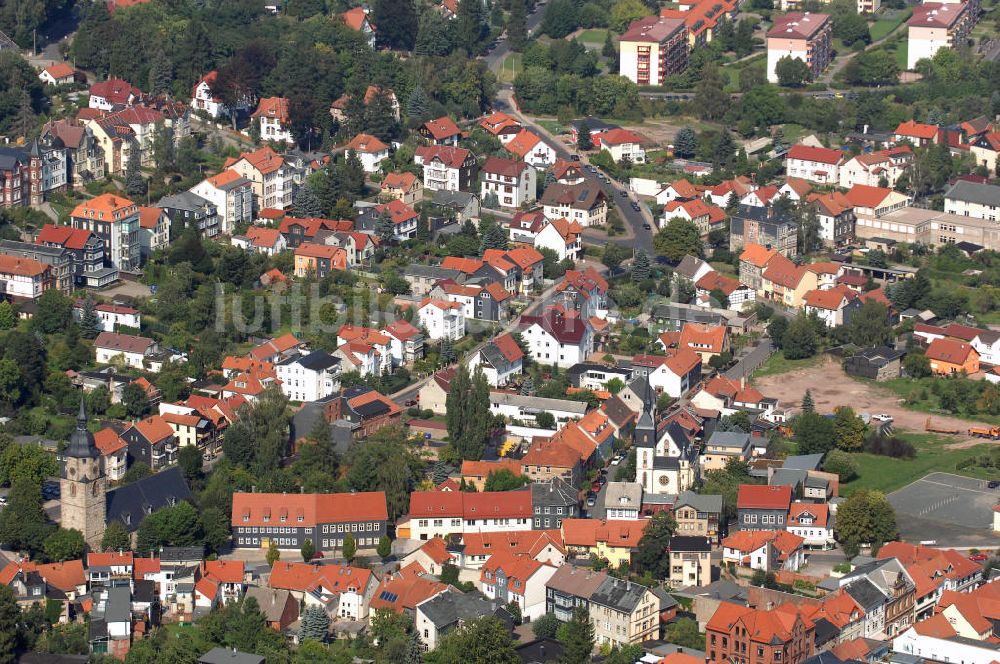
(786, 283)
(556, 500)
(151, 441)
(232, 195)
(84, 157)
(260, 519)
(935, 26)
(985, 148)
(359, 20)
(309, 377)
(187, 210)
(343, 591)
(442, 319)
(567, 172)
(571, 587)
(478, 302)
(531, 149)
(370, 150)
(447, 168)
(763, 507)
(523, 408)
(511, 183)
(624, 145)
(404, 220)
(835, 214)
(406, 342)
(402, 186)
(58, 73)
(447, 611)
(475, 473)
(876, 169)
(973, 199)
(722, 446)
(315, 261)
(892, 603)
(561, 236)
(366, 410)
(154, 231)
(815, 164)
(113, 94)
(556, 338)
(205, 100)
(24, 278)
(949, 357)
(690, 561)
(698, 515)
(521, 580)
(765, 226)
(624, 613)
(523, 261)
(442, 131)
(132, 350)
(278, 607)
(110, 316)
(704, 216)
(832, 306)
(737, 296)
(753, 260)
(584, 204)
(501, 126)
(612, 540)
(261, 240)
(584, 293)
(500, 359)
(274, 120)
(272, 178)
(114, 456)
(378, 342)
(707, 341)
(814, 523)
(881, 363)
(672, 374)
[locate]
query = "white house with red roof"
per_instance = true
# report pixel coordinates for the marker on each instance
(815, 164)
(705, 216)
(761, 196)
(129, 349)
(58, 73)
(369, 346)
(261, 240)
(370, 150)
(442, 319)
(518, 579)
(814, 523)
(441, 131)
(204, 100)
(511, 182)
(500, 359)
(113, 94)
(110, 316)
(830, 304)
(441, 513)
(738, 296)
(446, 167)
(875, 168)
(359, 19)
(272, 179)
(274, 120)
(232, 196)
(501, 126)
(623, 144)
(557, 338)
(406, 342)
(530, 148)
(342, 591)
(673, 374)
(766, 550)
(561, 236)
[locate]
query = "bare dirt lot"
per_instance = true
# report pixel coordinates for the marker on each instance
(831, 387)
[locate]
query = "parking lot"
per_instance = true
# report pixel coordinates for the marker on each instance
(950, 508)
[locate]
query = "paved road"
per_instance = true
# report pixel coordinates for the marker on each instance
(749, 362)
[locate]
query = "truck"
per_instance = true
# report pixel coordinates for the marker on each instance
(930, 426)
(985, 432)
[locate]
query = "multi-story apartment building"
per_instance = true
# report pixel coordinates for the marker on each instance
(511, 182)
(876, 168)
(47, 170)
(86, 251)
(442, 319)
(819, 165)
(232, 196)
(765, 226)
(151, 441)
(189, 210)
(441, 513)
(937, 25)
(584, 203)
(288, 519)
(690, 561)
(652, 49)
(15, 178)
(571, 587)
(58, 260)
(116, 221)
(801, 35)
(763, 507)
(309, 377)
(84, 157)
(698, 515)
(446, 167)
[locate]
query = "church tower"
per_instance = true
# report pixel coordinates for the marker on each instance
(644, 440)
(83, 485)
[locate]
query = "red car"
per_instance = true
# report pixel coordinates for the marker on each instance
(978, 557)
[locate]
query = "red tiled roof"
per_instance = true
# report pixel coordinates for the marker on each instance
(367, 143)
(523, 143)
(705, 338)
(125, 343)
(508, 347)
(949, 350)
(757, 254)
(273, 107)
(783, 272)
(819, 155)
(619, 136)
(66, 236)
(916, 130)
(753, 496)
(313, 507)
(493, 505)
(441, 128)
(450, 156)
(617, 533)
(506, 167)
(108, 441)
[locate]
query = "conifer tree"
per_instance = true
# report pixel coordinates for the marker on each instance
(640, 267)
(315, 624)
(90, 325)
(808, 405)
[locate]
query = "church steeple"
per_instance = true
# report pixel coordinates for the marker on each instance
(645, 427)
(81, 441)
(83, 486)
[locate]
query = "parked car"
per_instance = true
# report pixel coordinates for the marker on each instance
(411, 402)
(993, 484)
(591, 501)
(978, 557)
(882, 417)
(647, 227)
(615, 461)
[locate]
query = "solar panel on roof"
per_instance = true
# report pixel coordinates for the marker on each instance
(388, 596)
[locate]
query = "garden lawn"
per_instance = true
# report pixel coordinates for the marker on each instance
(594, 36)
(882, 27)
(777, 364)
(886, 474)
(510, 68)
(914, 391)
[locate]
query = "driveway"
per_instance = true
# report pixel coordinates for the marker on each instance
(751, 360)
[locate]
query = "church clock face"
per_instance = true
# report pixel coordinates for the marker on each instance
(72, 471)
(664, 480)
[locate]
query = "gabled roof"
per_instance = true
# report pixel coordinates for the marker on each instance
(441, 128)
(125, 343)
(810, 153)
(619, 136)
(450, 156)
(862, 195)
(705, 338)
(273, 107)
(624, 533)
(949, 350)
(523, 143)
(784, 272)
(506, 167)
(564, 329)
(757, 254)
(252, 508)
(368, 144)
(402, 181)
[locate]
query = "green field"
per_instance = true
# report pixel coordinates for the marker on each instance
(593, 36)
(733, 71)
(777, 364)
(901, 55)
(882, 27)
(510, 68)
(887, 474)
(919, 395)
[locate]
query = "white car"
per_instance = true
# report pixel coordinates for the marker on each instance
(616, 461)
(882, 417)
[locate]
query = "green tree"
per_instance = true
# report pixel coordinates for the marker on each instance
(470, 25)
(55, 312)
(710, 97)
(917, 365)
(814, 433)
(545, 420)
(842, 464)
(190, 462)
(273, 554)
(384, 462)
(776, 328)
(792, 72)
(349, 548)
(865, 517)
(9, 618)
(517, 26)
(623, 12)
(135, 400)
(90, 324)
(799, 340)
(651, 556)
(505, 480)
(584, 142)
(395, 20)
(116, 537)
(483, 640)
(848, 428)
(869, 326)
(545, 626)
(468, 413)
(686, 142)
(308, 550)
(135, 185)
(577, 638)
(384, 548)
(315, 624)
(808, 405)
(641, 268)
(23, 524)
(678, 239)
(685, 633)
(64, 544)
